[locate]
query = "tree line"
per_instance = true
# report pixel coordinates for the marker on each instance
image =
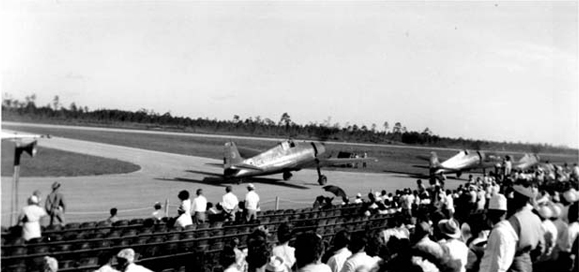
(27, 110)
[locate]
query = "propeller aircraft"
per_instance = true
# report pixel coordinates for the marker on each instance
(286, 157)
(463, 161)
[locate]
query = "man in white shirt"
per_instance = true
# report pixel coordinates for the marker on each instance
(359, 261)
(126, 261)
(30, 218)
(229, 203)
(502, 242)
(342, 253)
(457, 249)
(251, 203)
(199, 207)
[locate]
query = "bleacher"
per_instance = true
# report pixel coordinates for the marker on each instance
(77, 246)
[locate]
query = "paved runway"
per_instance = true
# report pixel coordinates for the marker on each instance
(163, 175)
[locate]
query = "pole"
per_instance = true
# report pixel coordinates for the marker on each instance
(14, 206)
(166, 207)
(276, 203)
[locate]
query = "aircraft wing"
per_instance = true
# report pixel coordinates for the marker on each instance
(12, 135)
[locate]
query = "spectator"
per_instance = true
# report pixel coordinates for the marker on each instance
(258, 251)
(550, 234)
(55, 205)
(113, 218)
(30, 217)
(568, 237)
(199, 208)
(106, 262)
(308, 252)
(502, 242)
(185, 205)
(251, 203)
(359, 259)
(50, 264)
(283, 250)
(340, 251)
(239, 255)
(228, 261)
(229, 204)
(528, 227)
(158, 214)
(358, 199)
(38, 194)
(126, 262)
(183, 219)
(457, 250)
(429, 253)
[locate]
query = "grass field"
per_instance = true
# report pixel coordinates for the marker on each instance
(68, 164)
(391, 158)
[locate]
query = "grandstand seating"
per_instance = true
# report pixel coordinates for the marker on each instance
(77, 246)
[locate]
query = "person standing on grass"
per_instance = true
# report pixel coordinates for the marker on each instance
(229, 203)
(251, 203)
(199, 208)
(55, 205)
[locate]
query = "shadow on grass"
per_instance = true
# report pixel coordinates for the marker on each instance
(218, 181)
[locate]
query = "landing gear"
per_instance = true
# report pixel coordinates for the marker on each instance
(287, 176)
(322, 180)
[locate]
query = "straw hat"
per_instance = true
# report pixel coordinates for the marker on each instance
(127, 254)
(449, 228)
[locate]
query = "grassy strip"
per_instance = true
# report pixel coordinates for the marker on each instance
(391, 159)
(56, 163)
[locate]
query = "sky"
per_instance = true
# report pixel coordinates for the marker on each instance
(503, 71)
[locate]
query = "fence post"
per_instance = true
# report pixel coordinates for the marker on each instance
(166, 207)
(276, 202)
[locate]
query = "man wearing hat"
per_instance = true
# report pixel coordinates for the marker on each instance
(502, 242)
(251, 203)
(528, 228)
(126, 262)
(55, 205)
(457, 249)
(30, 219)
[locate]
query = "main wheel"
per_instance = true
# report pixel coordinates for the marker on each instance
(322, 180)
(287, 176)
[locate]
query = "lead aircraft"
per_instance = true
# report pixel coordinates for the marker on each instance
(286, 157)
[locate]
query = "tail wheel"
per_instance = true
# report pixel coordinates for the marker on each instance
(322, 180)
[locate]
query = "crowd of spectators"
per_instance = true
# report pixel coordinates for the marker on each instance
(517, 221)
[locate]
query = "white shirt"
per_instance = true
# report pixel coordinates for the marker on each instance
(186, 206)
(568, 236)
(551, 233)
(501, 248)
(136, 268)
(184, 220)
(336, 262)
(251, 200)
(229, 201)
(319, 267)
(458, 251)
(287, 253)
(358, 261)
(31, 228)
(199, 204)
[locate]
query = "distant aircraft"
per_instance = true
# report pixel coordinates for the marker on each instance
(526, 161)
(12, 135)
(285, 157)
(459, 163)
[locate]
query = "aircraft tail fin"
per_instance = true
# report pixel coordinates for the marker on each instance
(231, 155)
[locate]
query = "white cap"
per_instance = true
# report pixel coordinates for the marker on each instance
(250, 185)
(570, 195)
(498, 202)
(33, 199)
(545, 211)
(358, 195)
